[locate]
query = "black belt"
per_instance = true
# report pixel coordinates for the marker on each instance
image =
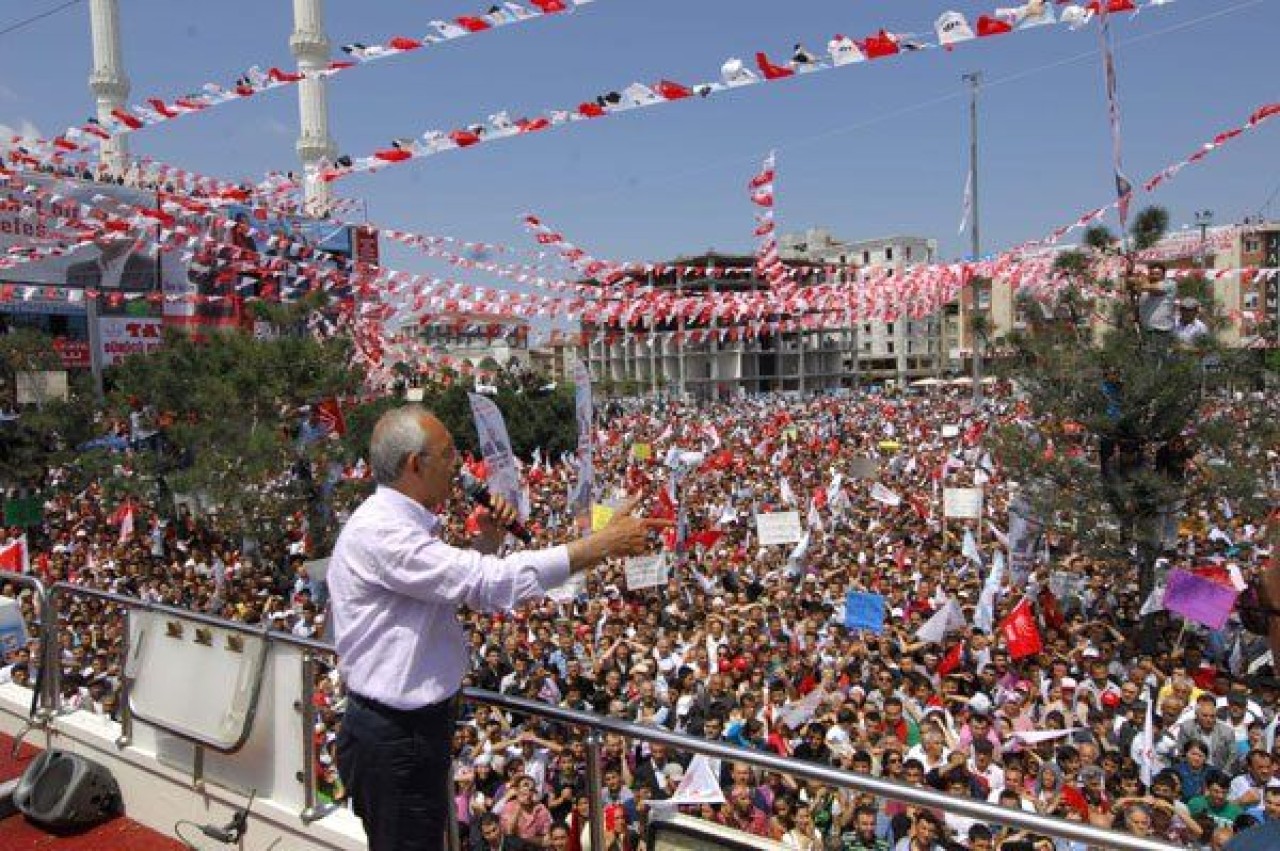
(431, 710)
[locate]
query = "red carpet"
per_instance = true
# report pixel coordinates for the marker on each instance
(18, 834)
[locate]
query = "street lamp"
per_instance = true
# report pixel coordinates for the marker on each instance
(1204, 218)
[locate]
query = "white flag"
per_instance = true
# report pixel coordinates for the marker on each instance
(970, 548)
(788, 496)
(495, 446)
(1144, 747)
(580, 497)
(700, 784)
(967, 209)
(880, 493)
(984, 615)
(952, 28)
(947, 619)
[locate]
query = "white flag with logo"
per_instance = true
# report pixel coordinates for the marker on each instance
(495, 445)
(946, 620)
(580, 497)
(700, 784)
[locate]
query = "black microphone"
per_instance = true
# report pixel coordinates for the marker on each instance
(478, 493)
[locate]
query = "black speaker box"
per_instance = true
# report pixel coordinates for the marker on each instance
(63, 791)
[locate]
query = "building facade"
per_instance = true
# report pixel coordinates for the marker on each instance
(898, 351)
(708, 359)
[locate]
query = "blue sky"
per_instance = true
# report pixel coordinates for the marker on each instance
(865, 151)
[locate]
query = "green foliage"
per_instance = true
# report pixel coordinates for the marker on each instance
(44, 432)
(1149, 227)
(1138, 398)
(228, 407)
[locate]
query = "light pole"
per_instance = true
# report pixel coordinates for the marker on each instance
(974, 79)
(1204, 218)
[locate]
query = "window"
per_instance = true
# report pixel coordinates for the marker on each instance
(888, 328)
(866, 258)
(907, 255)
(866, 328)
(1252, 244)
(888, 347)
(888, 254)
(866, 345)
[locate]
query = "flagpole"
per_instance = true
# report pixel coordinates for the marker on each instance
(974, 78)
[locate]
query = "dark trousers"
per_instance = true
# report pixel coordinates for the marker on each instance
(396, 765)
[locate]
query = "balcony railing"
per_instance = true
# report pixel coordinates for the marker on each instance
(45, 708)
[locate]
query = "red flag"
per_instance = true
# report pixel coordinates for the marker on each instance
(952, 660)
(463, 138)
(882, 44)
(329, 413)
(14, 557)
(401, 42)
(1020, 633)
(992, 26)
(471, 24)
(672, 91)
(706, 539)
(549, 7)
(666, 507)
(771, 71)
(590, 110)
(128, 119)
(393, 155)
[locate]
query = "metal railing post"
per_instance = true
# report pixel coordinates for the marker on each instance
(452, 839)
(306, 707)
(595, 788)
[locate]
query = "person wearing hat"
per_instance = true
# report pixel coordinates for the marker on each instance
(395, 586)
(1189, 328)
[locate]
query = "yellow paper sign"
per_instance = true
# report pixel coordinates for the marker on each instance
(600, 517)
(641, 451)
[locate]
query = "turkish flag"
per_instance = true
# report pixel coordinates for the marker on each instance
(549, 7)
(403, 43)
(590, 110)
(1021, 635)
(471, 24)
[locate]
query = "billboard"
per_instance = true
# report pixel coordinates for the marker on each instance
(200, 288)
(121, 336)
(107, 265)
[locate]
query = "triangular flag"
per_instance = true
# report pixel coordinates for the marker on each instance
(771, 71)
(970, 548)
(700, 784)
(952, 28)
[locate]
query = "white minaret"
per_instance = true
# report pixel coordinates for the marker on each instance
(108, 82)
(310, 46)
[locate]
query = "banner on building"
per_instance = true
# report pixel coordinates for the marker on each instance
(121, 336)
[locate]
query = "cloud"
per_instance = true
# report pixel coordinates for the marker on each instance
(26, 129)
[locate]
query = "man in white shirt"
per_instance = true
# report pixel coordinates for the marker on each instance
(1190, 328)
(395, 587)
(1157, 299)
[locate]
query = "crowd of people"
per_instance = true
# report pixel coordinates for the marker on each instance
(1146, 723)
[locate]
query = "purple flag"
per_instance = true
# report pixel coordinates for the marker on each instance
(1198, 599)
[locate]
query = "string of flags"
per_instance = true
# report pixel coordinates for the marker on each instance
(769, 266)
(152, 111)
(950, 30)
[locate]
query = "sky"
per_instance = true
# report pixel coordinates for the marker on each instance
(865, 151)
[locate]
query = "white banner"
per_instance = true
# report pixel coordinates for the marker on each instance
(782, 527)
(121, 336)
(495, 446)
(580, 496)
(646, 572)
(962, 503)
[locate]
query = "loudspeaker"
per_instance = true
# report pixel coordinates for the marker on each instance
(65, 792)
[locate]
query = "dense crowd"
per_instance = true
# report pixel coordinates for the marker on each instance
(748, 644)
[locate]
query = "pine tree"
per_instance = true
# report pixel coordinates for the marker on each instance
(1127, 426)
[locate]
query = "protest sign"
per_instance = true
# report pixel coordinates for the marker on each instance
(962, 503)
(863, 610)
(646, 572)
(782, 527)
